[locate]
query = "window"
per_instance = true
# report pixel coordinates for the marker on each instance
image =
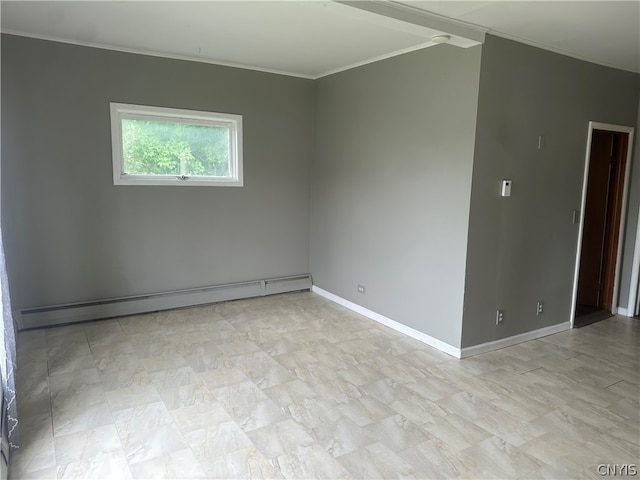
(167, 146)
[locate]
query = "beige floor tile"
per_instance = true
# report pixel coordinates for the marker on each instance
(467, 405)
(263, 370)
(126, 377)
(237, 394)
(189, 339)
(256, 415)
(185, 395)
(119, 362)
(365, 410)
(342, 437)
(294, 386)
(549, 473)
(280, 438)
(31, 340)
(625, 388)
(173, 377)
(239, 347)
(128, 397)
(241, 464)
(141, 417)
(81, 418)
(33, 405)
(139, 324)
(163, 362)
(398, 433)
(111, 464)
(628, 408)
(33, 377)
(142, 445)
(338, 391)
(112, 349)
(432, 388)
(310, 462)
(565, 425)
(313, 412)
(153, 344)
(218, 439)
(387, 390)
(103, 332)
(77, 390)
(456, 431)
(424, 357)
(179, 464)
(509, 428)
(35, 454)
(435, 459)
(394, 368)
(34, 427)
(599, 417)
(521, 404)
(45, 473)
(627, 432)
(272, 342)
(563, 455)
(67, 362)
(288, 393)
(419, 410)
(80, 446)
(71, 339)
(377, 461)
(360, 374)
(199, 416)
(612, 449)
(206, 356)
(501, 458)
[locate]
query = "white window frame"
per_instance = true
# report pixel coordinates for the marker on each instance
(120, 111)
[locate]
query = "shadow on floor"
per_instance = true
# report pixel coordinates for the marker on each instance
(586, 315)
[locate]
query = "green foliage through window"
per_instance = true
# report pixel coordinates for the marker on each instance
(165, 148)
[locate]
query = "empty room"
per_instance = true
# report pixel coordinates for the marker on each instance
(320, 239)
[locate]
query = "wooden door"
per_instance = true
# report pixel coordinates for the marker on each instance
(602, 219)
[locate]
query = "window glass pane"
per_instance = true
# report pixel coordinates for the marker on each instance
(152, 147)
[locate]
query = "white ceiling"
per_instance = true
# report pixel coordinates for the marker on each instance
(606, 32)
(311, 39)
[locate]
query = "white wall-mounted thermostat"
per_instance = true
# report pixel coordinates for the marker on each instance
(505, 190)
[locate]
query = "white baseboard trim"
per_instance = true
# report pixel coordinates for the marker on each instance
(434, 342)
(624, 312)
(123, 306)
(514, 340)
(399, 327)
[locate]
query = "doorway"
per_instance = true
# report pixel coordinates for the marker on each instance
(604, 192)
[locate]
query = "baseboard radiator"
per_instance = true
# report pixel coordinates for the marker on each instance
(118, 307)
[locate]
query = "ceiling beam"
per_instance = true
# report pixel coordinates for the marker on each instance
(416, 16)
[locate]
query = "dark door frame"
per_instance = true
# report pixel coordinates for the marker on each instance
(623, 213)
(634, 294)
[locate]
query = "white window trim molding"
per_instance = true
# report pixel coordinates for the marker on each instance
(120, 111)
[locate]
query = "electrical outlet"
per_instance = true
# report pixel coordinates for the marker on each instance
(539, 308)
(361, 289)
(499, 317)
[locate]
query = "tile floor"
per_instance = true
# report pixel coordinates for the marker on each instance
(294, 386)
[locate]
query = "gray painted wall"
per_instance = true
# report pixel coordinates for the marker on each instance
(395, 206)
(522, 249)
(71, 235)
(391, 186)
(631, 223)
